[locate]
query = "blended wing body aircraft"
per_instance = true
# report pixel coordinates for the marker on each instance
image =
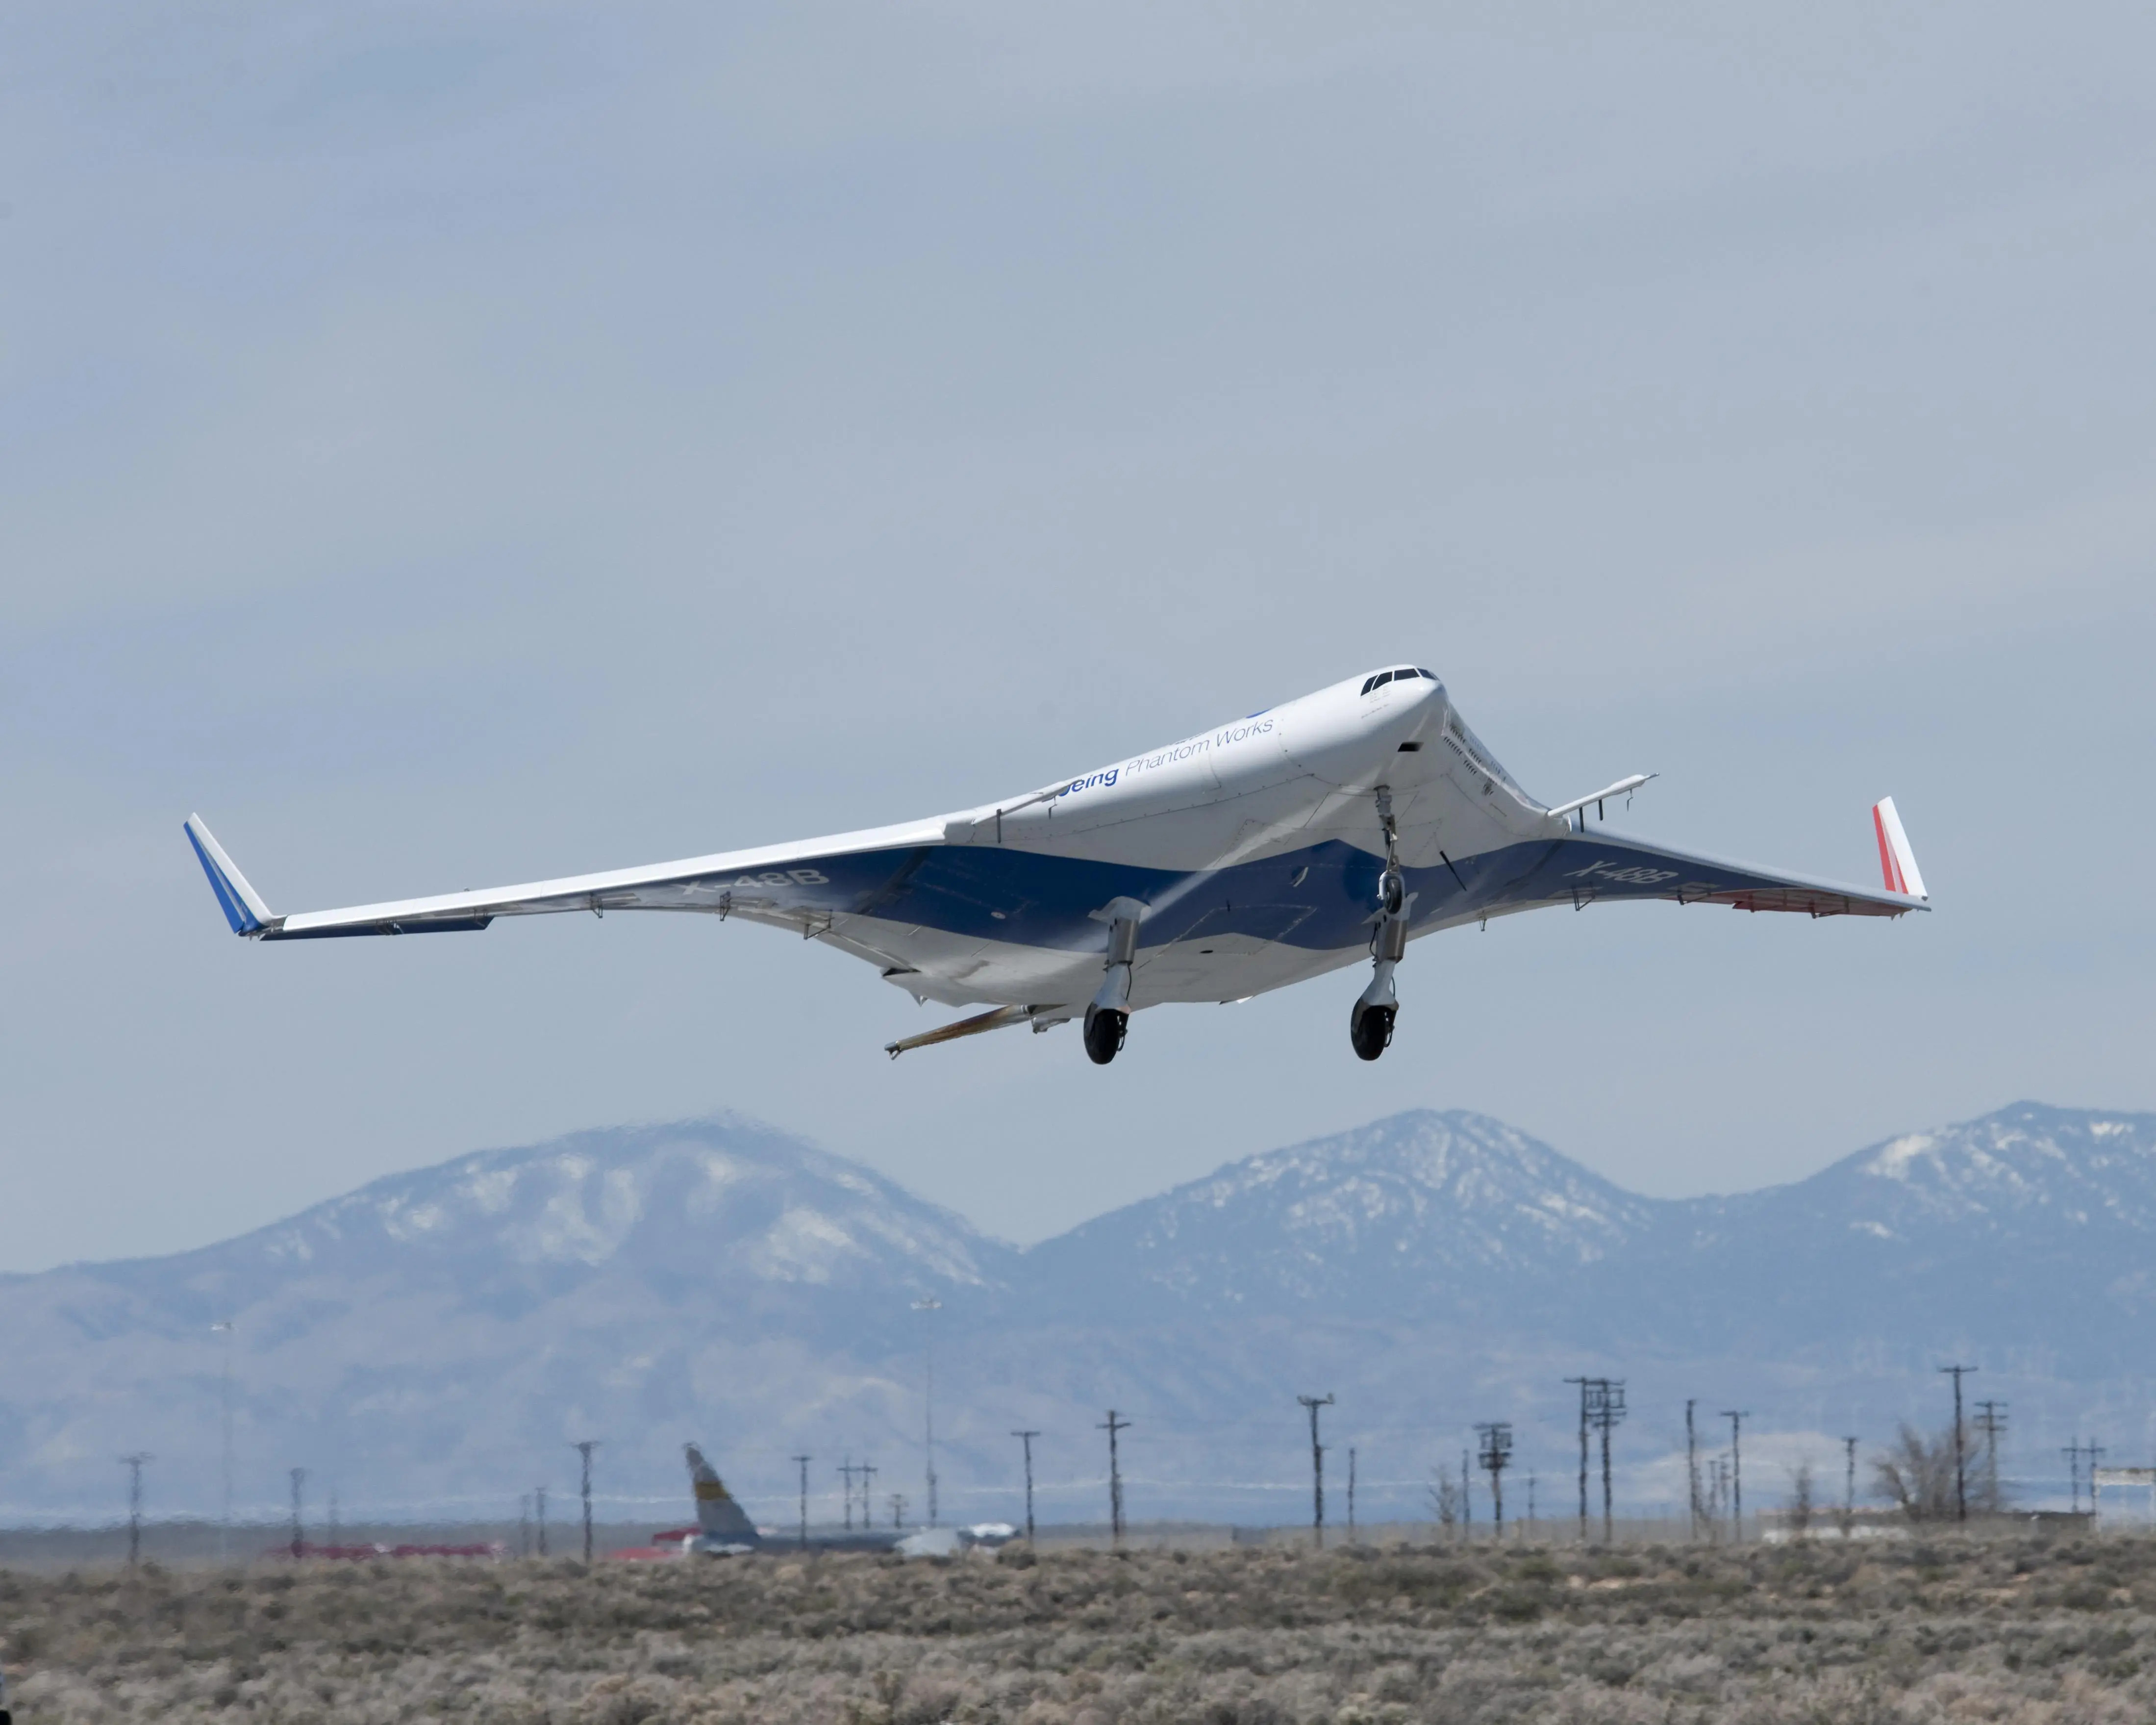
(1304, 838)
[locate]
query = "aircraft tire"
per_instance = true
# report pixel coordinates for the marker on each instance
(1371, 1031)
(1105, 1031)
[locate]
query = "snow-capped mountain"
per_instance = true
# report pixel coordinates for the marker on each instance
(1424, 1212)
(432, 1341)
(644, 1284)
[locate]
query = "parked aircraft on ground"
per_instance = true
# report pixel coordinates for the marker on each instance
(1296, 841)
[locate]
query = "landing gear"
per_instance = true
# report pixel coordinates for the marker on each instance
(1370, 1024)
(1371, 1029)
(1105, 1031)
(1108, 1018)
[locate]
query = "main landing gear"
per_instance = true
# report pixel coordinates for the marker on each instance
(1108, 1018)
(1370, 1022)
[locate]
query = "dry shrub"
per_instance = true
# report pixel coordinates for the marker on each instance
(2008, 1633)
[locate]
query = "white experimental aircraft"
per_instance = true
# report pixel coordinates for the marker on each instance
(1288, 843)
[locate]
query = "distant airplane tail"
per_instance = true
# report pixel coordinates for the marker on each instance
(717, 1515)
(1897, 862)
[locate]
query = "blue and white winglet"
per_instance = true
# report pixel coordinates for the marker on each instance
(241, 903)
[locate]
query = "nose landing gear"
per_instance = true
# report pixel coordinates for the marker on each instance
(1371, 1029)
(1370, 1023)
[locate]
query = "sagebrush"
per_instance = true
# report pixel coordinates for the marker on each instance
(2062, 1632)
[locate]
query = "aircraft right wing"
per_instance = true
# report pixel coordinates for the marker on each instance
(801, 886)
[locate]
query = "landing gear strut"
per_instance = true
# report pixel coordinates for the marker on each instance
(1370, 1023)
(1108, 1018)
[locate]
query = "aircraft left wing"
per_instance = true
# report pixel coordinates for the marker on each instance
(801, 885)
(1583, 869)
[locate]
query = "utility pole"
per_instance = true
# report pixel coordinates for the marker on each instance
(1691, 1465)
(1991, 1421)
(2072, 1452)
(1961, 1460)
(1608, 1411)
(802, 1462)
(224, 1328)
(868, 1474)
(584, 1450)
(1849, 1488)
(1497, 1456)
(1351, 1494)
(1530, 1531)
(1111, 1425)
(133, 1463)
(929, 1303)
(897, 1509)
(539, 1494)
(524, 1526)
(1737, 1417)
(1027, 1438)
(299, 1532)
(846, 1471)
(1583, 1383)
(1317, 1468)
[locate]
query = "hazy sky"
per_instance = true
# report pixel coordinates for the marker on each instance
(448, 446)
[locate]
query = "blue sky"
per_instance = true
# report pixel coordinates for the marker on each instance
(454, 446)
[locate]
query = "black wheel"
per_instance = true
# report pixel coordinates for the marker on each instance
(1371, 1031)
(1104, 1033)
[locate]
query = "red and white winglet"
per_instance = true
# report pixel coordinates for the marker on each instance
(1896, 861)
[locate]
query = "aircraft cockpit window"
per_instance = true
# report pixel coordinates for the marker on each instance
(1431, 674)
(1409, 673)
(1378, 682)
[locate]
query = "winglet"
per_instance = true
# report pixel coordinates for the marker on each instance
(242, 904)
(1896, 861)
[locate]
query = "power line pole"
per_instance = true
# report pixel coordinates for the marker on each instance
(868, 1474)
(1351, 1494)
(1026, 1438)
(1608, 1411)
(1317, 1468)
(1849, 1488)
(1497, 1457)
(133, 1463)
(897, 1509)
(1111, 1425)
(524, 1525)
(846, 1472)
(1991, 1421)
(1583, 1383)
(539, 1495)
(584, 1450)
(299, 1530)
(224, 1399)
(1961, 1460)
(1692, 1466)
(1737, 1417)
(802, 1462)
(929, 1303)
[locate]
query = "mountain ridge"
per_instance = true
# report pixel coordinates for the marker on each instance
(721, 1278)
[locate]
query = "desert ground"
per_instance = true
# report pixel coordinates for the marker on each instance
(2017, 1629)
